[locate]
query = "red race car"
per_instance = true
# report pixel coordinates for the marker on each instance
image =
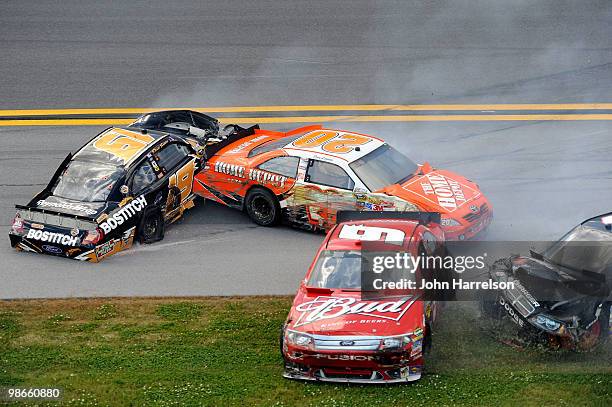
(336, 332)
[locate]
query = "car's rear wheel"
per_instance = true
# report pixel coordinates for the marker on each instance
(152, 228)
(262, 207)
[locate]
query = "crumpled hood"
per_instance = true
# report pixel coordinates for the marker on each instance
(70, 207)
(550, 283)
(350, 315)
(438, 191)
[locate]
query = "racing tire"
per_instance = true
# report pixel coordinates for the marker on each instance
(489, 305)
(281, 342)
(600, 330)
(427, 341)
(263, 207)
(152, 228)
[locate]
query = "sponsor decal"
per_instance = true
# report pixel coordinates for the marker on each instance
(52, 237)
(447, 191)
(343, 357)
(123, 214)
(474, 208)
(323, 308)
(74, 232)
(526, 293)
(368, 206)
(229, 169)
(17, 225)
(37, 226)
(513, 314)
(105, 248)
(244, 145)
(417, 349)
(68, 206)
(51, 249)
(417, 334)
(414, 370)
(264, 177)
(124, 189)
(153, 163)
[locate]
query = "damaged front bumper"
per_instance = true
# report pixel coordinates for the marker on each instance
(380, 375)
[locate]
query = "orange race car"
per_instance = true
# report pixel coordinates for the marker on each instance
(306, 175)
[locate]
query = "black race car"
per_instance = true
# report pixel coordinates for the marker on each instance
(562, 295)
(125, 184)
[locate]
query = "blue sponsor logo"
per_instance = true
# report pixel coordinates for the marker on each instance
(52, 249)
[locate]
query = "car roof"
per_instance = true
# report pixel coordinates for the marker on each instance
(119, 146)
(385, 233)
(367, 145)
(602, 222)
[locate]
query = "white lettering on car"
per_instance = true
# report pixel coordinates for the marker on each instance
(61, 205)
(331, 307)
(51, 237)
(123, 214)
(372, 234)
(447, 191)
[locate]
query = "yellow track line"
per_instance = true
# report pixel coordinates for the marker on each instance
(318, 119)
(297, 108)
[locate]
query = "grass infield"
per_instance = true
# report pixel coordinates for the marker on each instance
(224, 351)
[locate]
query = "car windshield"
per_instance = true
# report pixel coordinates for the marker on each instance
(382, 167)
(87, 181)
(583, 248)
(337, 269)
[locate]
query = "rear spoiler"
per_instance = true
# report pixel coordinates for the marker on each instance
(422, 217)
(53, 213)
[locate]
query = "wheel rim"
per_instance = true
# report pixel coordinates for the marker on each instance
(150, 227)
(262, 209)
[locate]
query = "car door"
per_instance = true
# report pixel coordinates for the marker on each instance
(327, 188)
(178, 165)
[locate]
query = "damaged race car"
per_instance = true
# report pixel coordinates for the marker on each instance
(338, 332)
(124, 184)
(306, 175)
(562, 296)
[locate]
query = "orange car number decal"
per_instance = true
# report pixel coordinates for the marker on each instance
(183, 179)
(123, 144)
(331, 141)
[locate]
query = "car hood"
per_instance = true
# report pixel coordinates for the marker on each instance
(348, 314)
(550, 283)
(65, 206)
(438, 191)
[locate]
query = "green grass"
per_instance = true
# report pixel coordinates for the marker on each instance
(224, 351)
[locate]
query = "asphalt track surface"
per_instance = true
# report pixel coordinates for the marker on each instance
(541, 176)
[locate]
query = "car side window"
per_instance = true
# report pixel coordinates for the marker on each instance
(285, 165)
(320, 172)
(171, 155)
(143, 177)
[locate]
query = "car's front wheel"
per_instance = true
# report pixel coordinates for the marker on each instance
(598, 332)
(262, 207)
